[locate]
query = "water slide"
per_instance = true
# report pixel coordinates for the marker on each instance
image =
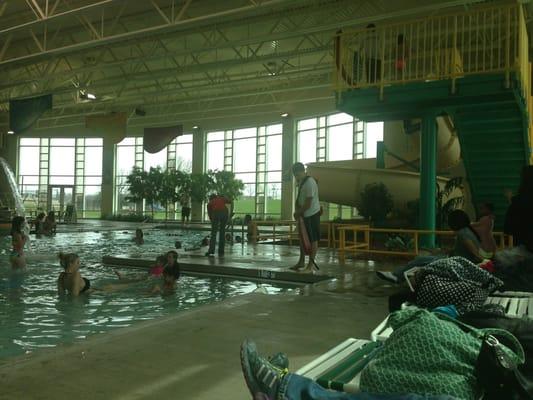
(341, 182)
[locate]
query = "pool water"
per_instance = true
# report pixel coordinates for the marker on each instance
(33, 316)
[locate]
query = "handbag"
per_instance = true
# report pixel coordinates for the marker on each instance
(433, 354)
(498, 373)
(497, 364)
(521, 328)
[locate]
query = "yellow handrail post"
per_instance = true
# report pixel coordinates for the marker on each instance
(416, 242)
(454, 51)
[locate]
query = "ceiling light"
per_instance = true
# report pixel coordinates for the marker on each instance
(195, 127)
(285, 115)
(91, 96)
(10, 132)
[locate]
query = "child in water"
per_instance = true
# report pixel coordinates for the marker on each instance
(170, 275)
(70, 280)
(18, 240)
(157, 268)
(39, 224)
(50, 224)
(139, 236)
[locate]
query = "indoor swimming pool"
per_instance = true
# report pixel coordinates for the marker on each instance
(33, 316)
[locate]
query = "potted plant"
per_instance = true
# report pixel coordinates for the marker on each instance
(137, 183)
(376, 202)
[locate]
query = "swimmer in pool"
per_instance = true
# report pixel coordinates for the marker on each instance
(171, 274)
(70, 280)
(18, 240)
(139, 236)
(156, 270)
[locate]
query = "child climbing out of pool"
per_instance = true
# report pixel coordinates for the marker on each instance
(171, 274)
(170, 259)
(70, 280)
(484, 226)
(18, 240)
(139, 236)
(467, 245)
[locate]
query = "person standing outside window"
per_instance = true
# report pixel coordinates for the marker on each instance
(307, 207)
(218, 214)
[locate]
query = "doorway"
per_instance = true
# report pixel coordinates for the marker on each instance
(59, 197)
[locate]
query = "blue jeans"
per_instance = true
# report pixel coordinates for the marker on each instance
(418, 261)
(218, 225)
(296, 387)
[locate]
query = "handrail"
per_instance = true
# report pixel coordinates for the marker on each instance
(477, 41)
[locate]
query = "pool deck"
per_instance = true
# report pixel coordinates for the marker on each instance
(195, 354)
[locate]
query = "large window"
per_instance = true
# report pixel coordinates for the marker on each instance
(130, 153)
(336, 137)
(54, 173)
(254, 155)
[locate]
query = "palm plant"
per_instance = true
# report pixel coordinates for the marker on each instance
(444, 203)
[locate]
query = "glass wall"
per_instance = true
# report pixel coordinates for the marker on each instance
(130, 153)
(254, 155)
(54, 173)
(336, 137)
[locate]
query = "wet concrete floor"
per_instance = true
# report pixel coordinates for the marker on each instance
(195, 354)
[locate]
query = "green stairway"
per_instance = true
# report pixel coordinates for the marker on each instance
(491, 121)
(494, 149)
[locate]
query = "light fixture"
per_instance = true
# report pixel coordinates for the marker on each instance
(284, 115)
(91, 96)
(10, 132)
(195, 127)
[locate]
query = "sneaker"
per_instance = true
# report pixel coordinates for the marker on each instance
(279, 360)
(387, 276)
(208, 254)
(262, 377)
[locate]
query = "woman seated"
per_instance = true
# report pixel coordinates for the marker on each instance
(467, 245)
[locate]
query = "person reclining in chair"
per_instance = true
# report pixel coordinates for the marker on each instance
(467, 245)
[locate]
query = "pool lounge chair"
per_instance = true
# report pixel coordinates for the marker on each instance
(340, 367)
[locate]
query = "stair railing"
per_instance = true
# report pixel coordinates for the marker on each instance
(480, 40)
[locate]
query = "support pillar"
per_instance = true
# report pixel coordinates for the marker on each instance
(198, 148)
(288, 158)
(108, 175)
(428, 178)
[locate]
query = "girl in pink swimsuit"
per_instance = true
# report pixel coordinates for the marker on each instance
(18, 240)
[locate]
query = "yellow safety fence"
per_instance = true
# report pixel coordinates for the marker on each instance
(480, 40)
(361, 240)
